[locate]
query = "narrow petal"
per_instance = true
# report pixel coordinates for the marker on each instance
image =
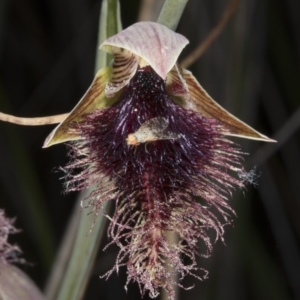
(124, 67)
(199, 100)
(154, 43)
(94, 98)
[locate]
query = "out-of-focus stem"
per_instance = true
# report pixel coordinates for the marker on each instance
(149, 10)
(63, 255)
(171, 13)
(213, 34)
(82, 257)
(172, 238)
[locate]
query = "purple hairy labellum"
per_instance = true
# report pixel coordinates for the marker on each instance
(147, 136)
(8, 253)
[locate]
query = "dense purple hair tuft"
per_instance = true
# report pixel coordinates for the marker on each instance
(156, 185)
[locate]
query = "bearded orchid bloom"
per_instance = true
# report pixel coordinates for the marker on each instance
(147, 136)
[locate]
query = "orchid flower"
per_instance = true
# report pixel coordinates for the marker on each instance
(148, 136)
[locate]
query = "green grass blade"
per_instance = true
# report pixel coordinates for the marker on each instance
(109, 24)
(83, 256)
(171, 13)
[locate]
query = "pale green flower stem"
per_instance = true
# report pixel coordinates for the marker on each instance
(171, 13)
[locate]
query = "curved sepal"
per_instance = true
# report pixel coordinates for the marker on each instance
(94, 98)
(175, 83)
(177, 87)
(199, 100)
(156, 44)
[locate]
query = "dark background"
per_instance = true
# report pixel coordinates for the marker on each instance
(47, 53)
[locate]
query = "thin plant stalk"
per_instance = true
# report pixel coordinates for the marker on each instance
(150, 10)
(171, 13)
(32, 121)
(62, 257)
(213, 34)
(83, 256)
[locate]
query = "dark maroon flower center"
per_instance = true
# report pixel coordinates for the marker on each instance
(155, 181)
(162, 166)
